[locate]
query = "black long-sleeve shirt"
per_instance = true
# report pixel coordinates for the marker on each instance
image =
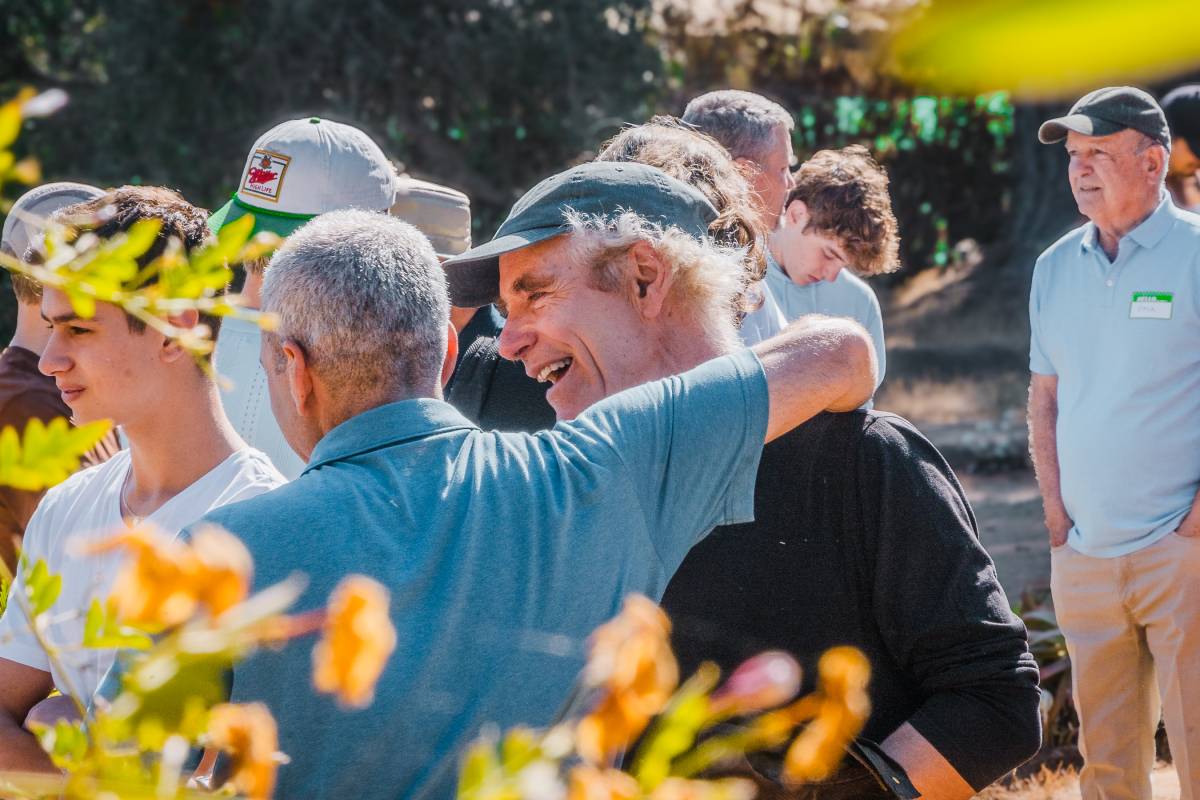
(863, 536)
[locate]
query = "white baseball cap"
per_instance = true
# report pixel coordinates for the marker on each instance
(29, 213)
(305, 167)
(441, 213)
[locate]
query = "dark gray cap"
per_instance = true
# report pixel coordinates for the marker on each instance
(599, 188)
(1107, 111)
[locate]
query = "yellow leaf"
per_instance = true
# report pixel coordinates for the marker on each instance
(47, 454)
(1040, 50)
(10, 123)
(27, 171)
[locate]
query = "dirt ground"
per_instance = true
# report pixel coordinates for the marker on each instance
(1065, 786)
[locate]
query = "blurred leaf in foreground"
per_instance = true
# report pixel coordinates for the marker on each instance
(1040, 50)
(47, 454)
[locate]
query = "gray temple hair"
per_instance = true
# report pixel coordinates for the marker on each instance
(364, 295)
(706, 277)
(743, 122)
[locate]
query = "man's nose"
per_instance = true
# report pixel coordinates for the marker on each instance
(53, 360)
(514, 339)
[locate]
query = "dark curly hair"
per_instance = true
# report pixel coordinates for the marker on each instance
(118, 209)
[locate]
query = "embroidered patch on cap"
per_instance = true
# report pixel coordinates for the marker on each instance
(264, 177)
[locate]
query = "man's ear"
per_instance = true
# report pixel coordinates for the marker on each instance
(187, 320)
(451, 354)
(1156, 163)
(796, 214)
(748, 167)
(299, 378)
(651, 279)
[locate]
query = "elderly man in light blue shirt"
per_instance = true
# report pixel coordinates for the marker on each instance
(1115, 433)
(502, 551)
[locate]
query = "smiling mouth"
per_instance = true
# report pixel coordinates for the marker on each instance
(554, 371)
(70, 394)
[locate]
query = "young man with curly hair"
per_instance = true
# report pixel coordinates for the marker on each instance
(837, 221)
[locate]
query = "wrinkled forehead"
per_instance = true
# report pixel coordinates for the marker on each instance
(1122, 140)
(537, 263)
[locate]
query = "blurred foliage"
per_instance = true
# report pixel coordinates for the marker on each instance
(47, 454)
(1066, 48)
(1060, 724)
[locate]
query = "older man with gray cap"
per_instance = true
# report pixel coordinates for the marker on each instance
(492, 392)
(1114, 410)
(503, 551)
(295, 171)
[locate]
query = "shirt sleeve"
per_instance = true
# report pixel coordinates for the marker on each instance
(1039, 362)
(942, 612)
(690, 446)
(17, 642)
(874, 326)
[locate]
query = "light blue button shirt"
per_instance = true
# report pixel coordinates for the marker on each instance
(848, 296)
(502, 552)
(1123, 337)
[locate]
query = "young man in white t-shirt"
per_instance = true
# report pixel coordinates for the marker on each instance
(183, 460)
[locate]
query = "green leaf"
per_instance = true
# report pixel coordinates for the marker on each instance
(66, 743)
(42, 587)
(102, 630)
(47, 454)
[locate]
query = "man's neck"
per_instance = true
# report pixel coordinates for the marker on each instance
(185, 438)
(252, 290)
(686, 346)
(31, 332)
(1111, 232)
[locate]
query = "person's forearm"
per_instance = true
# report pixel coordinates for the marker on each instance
(817, 364)
(20, 751)
(932, 775)
(1043, 450)
(1190, 526)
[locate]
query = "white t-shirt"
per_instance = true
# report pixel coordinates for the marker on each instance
(87, 507)
(247, 403)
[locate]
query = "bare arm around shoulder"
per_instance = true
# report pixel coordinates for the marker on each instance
(1043, 449)
(21, 688)
(816, 364)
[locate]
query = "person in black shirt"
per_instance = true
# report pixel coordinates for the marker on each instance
(492, 392)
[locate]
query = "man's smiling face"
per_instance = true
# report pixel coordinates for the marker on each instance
(587, 341)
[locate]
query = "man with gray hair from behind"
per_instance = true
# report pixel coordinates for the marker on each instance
(503, 551)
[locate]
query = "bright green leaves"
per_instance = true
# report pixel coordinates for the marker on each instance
(101, 629)
(42, 588)
(47, 454)
(65, 742)
(492, 771)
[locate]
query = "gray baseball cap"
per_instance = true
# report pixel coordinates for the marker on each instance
(598, 188)
(24, 223)
(1108, 111)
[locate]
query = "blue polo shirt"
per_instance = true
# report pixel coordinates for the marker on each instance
(1123, 337)
(502, 552)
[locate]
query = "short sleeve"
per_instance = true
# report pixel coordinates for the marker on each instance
(690, 446)
(17, 642)
(874, 326)
(1039, 362)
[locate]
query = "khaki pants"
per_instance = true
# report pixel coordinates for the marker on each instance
(1133, 632)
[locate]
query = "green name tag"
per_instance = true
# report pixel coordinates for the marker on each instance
(1151, 305)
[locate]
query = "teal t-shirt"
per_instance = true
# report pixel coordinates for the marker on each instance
(502, 552)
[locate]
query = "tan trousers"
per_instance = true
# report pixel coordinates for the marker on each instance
(1133, 633)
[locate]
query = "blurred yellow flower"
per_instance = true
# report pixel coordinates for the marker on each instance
(248, 734)
(842, 707)
(632, 663)
(357, 639)
(591, 783)
(166, 581)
